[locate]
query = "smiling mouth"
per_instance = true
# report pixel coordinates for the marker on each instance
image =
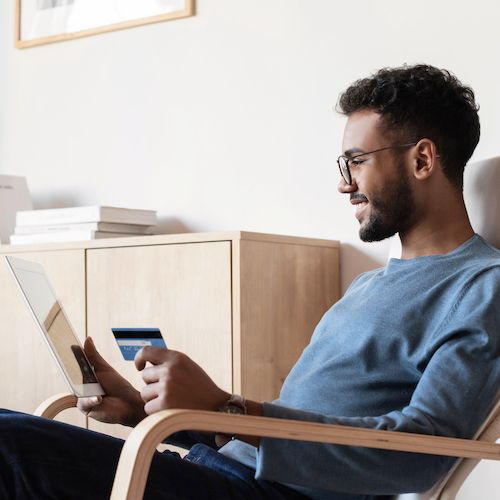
(360, 206)
(360, 202)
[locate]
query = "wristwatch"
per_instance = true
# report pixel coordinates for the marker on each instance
(235, 405)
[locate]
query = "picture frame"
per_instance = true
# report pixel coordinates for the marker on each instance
(39, 22)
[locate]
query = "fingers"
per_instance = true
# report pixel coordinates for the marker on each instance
(162, 360)
(176, 381)
(148, 393)
(86, 405)
(154, 405)
(154, 374)
(152, 354)
(167, 364)
(158, 396)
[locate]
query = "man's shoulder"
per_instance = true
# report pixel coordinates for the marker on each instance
(480, 254)
(480, 243)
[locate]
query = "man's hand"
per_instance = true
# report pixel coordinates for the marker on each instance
(122, 403)
(175, 381)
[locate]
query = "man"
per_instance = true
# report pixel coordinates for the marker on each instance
(413, 347)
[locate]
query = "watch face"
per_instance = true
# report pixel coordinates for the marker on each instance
(230, 408)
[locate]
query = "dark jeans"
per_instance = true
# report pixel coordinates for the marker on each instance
(43, 459)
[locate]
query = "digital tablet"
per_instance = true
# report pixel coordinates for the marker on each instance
(55, 327)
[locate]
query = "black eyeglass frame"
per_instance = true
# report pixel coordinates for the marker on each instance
(343, 161)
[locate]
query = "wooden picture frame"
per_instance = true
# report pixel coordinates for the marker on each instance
(38, 22)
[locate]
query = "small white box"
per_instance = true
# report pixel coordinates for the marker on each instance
(14, 196)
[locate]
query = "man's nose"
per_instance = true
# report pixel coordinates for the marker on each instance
(344, 188)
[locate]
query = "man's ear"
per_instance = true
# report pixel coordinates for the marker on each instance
(425, 159)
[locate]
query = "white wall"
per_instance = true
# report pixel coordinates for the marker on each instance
(224, 120)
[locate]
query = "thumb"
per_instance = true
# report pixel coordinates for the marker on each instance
(93, 355)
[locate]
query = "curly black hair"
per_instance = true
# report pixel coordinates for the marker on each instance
(419, 102)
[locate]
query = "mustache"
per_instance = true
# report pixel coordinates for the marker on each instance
(358, 196)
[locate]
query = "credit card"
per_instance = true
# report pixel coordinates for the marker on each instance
(131, 340)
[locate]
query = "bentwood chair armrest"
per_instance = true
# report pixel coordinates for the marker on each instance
(137, 453)
(54, 405)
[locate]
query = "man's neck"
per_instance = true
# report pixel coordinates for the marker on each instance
(437, 236)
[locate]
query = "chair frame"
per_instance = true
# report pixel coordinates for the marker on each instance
(137, 453)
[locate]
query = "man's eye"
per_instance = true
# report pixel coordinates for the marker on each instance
(355, 162)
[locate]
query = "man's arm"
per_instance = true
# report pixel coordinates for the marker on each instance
(175, 381)
(460, 379)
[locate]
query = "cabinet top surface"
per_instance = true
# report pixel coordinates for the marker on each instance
(165, 239)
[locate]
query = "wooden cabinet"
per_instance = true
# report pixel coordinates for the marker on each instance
(242, 305)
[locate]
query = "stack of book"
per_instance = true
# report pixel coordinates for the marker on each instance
(80, 223)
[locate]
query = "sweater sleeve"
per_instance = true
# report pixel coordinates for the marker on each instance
(456, 390)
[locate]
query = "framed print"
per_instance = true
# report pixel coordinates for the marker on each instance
(47, 21)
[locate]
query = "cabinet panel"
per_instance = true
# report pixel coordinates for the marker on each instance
(24, 358)
(284, 290)
(183, 289)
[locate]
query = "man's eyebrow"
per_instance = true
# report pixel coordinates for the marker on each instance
(349, 152)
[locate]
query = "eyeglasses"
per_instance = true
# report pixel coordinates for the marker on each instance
(344, 161)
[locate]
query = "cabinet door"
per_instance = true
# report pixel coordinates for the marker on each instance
(284, 291)
(183, 289)
(28, 373)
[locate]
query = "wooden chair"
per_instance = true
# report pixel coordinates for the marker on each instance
(137, 453)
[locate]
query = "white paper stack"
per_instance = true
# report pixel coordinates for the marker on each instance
(80, 224)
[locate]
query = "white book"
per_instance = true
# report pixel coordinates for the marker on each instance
(76, 215)
(14, 196)
(85, 226)
(27, 239)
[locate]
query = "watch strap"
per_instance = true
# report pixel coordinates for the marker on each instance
(236, 405)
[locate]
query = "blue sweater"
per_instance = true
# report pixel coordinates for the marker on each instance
(412, 347)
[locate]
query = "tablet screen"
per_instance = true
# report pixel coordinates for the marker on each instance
(55, 327)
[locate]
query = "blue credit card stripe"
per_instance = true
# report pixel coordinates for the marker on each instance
(130, 346)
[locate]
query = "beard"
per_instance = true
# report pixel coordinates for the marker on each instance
(390, 209)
